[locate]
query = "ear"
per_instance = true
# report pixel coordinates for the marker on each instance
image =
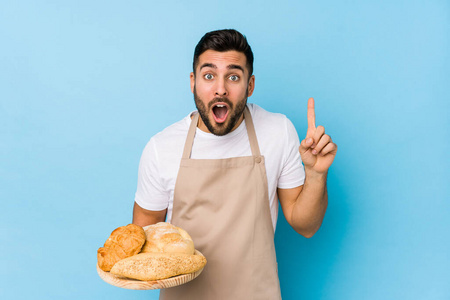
(251, 85)
(192, 82)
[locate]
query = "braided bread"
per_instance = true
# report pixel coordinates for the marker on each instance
(123, 242)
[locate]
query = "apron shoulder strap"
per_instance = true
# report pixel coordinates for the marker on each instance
(190, 137)
(251, 133)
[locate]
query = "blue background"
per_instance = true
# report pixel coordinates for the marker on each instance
(85, 84)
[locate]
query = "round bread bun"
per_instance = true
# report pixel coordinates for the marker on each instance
(164, 237)
(123, 242)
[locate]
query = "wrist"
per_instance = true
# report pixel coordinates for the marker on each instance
(312, 174)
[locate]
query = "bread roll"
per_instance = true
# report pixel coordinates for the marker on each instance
(156, 266)
(164, 237)
(123, 242)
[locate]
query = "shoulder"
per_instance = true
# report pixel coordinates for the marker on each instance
(169, 140)
(265, 120)
(173, 132)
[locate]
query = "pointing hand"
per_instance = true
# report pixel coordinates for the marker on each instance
(317, 149)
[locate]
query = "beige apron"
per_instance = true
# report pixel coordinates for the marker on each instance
(224, 205)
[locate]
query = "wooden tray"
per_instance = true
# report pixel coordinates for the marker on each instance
(133, 284)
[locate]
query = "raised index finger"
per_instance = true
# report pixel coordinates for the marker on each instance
(311, 115)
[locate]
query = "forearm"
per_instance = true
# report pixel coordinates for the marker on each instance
(143, 217)
(310, 207)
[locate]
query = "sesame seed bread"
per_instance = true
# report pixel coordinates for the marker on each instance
(156, 266)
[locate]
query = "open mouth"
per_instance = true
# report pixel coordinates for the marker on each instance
(220, 112)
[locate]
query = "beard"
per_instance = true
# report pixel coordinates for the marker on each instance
(234, 114)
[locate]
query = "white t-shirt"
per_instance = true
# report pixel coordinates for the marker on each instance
(160, 161)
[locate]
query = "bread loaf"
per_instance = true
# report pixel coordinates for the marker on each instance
(156, 266)
(164, 237)
(123, 242)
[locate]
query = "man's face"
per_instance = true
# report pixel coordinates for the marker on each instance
(221, 86)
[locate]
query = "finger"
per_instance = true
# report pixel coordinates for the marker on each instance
(320, 131)
(311, 115)
(305, 145)
(324, 140)
(329, 148)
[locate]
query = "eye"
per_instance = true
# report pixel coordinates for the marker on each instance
(234, 78)
(208, 76)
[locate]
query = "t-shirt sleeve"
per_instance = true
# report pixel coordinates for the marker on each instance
(150, 193)
(293, 173)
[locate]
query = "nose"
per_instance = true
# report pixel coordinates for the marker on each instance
(220, 88)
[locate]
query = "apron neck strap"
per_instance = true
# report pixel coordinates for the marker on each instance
(248, 124)
(251, 132)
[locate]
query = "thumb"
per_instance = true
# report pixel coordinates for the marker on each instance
(308, 158)
(305, 145)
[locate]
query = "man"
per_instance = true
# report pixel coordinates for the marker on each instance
(218, 174)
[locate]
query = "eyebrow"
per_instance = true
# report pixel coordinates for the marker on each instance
(229, 67)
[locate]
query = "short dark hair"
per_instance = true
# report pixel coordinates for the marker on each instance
(224, 40)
